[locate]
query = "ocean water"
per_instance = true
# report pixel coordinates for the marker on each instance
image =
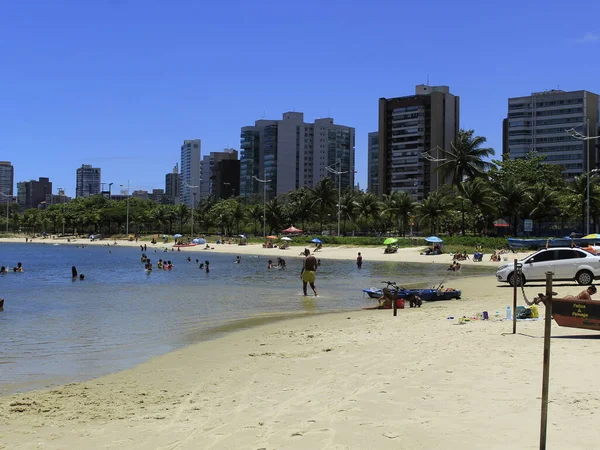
(56, 330)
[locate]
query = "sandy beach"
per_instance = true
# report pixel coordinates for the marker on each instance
(373, 253)
(357, 380)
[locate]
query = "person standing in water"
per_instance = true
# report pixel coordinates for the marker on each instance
(206, 265)
(74, 272)
(308, 274)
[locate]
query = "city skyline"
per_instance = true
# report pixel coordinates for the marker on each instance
(118, 98)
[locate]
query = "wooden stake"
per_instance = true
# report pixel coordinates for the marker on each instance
(515, 298)
(546, 371)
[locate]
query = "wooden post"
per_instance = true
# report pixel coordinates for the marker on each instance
(395, 302)
(515, 298)
(546, 371)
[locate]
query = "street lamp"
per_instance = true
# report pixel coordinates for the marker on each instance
(577, 135)
(264, 182)
(429, 157)
(193, 205)
(127, 225)
(339, 173)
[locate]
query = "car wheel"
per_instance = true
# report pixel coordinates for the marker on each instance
(584, 277)
(519, 280)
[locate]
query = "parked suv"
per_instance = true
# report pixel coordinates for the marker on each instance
(564, 262)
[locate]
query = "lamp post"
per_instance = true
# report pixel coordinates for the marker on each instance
(577, 135)
(264, 182)
(189, 186)
(193, 209)
(339, 174)
(127, 224)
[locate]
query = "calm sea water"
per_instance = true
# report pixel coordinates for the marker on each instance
(55, 330)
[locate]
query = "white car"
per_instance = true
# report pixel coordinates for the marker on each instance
(564, 262)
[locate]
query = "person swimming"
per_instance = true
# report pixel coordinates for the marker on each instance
(270, 265)
(82, 277)
(19, 267)
(159, 264)
(238, 259)
(3, 269)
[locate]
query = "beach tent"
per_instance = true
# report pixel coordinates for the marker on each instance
(199, 241)
(292, 229)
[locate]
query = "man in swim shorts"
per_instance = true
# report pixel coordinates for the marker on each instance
(308, 274)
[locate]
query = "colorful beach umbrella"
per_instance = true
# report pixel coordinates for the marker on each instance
(592, 236)
(390, 241)
(292, 229)
(285, 238)
(271, 237)
(177, 235)
(316, 241)
(433, 239)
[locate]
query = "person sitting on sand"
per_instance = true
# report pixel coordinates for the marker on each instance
(583, 295)
(386, 299)
(414, 300)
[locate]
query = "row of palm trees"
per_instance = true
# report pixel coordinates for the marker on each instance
(478, 192)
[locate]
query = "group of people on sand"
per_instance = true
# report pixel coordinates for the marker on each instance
(454, 267)
(460, 256)
(18, 268)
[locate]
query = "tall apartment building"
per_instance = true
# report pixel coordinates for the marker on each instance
(88, 181)
(31, 194)
(7, 181)
(538, 122)
(190, 172)
(172, 185)
(227, 179)
(411, 126)
(158, 196)
(290, 154)
(209, 164)
(373, 162)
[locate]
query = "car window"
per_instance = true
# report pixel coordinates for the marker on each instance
(570, 254)
(549, 255)
(580, 254)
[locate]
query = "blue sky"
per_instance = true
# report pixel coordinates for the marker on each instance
(120, 83)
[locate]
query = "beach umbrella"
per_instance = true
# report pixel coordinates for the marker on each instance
(199, 241)
(165, 236)
(292, 229)
(177, 235)
(390, 241)
(316, 241)
(271, 237)
(285, 238)
(501, 223)
(433, 239)
(592, 236)
(242, 236)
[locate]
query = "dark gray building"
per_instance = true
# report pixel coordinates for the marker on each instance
(88, 181)
(412, 130)
(32, 194)
(7, 181)
(172, 186)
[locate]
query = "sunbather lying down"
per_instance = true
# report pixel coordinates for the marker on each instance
(583, 295)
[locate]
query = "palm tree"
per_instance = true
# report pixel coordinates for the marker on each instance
(348, 207)
(255, 212)
(465, 161)
(478, 195)
(433, 209)
(367, 207)
(324, 197)
(542, 202)
(512, 197)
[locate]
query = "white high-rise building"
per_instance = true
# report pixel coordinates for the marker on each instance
(190, 172)
(290, 154)
(538, 122)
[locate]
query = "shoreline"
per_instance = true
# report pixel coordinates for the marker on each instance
(352, 379)
(348, 253)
